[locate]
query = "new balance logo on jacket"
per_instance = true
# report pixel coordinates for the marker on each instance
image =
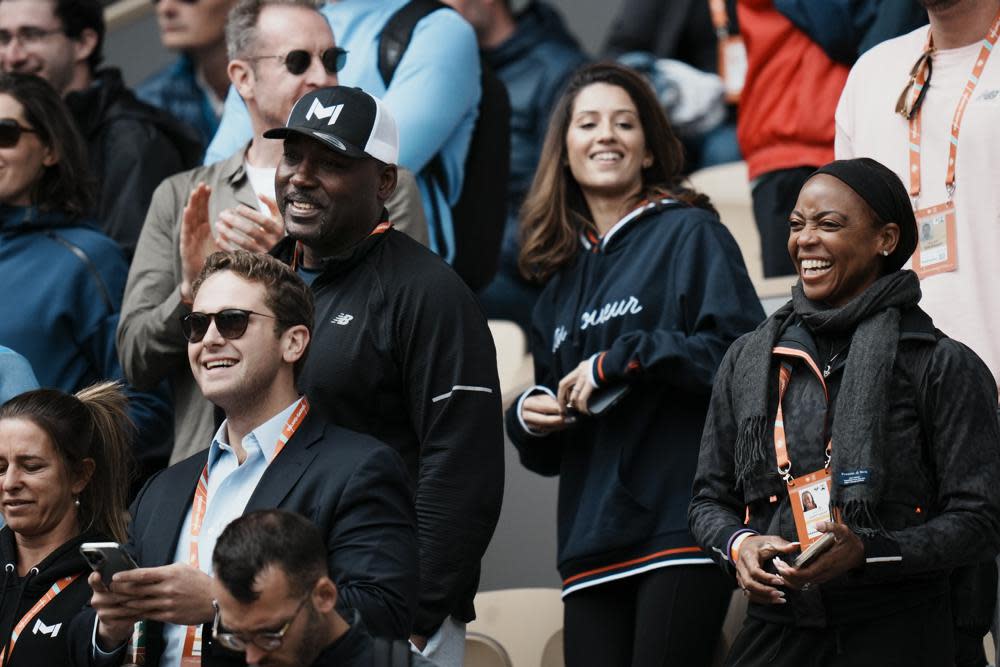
(343, 319)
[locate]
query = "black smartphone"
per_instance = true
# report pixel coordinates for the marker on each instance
(107, 559)
(814, 550)
(603, 399)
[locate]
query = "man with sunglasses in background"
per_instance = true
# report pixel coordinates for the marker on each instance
(280, 49)
(402, 350)
(248, 335)
(927, 105)
(131, 145)
(276, 601)
(194, 86)
(434, 93)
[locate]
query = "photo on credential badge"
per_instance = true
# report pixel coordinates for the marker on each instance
(815, 507)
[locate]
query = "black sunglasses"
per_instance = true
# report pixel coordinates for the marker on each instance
(10, 132)
(231, 323)
(186, 2)
(907, 106)
(298, 61)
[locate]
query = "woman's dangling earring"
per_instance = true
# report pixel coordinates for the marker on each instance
(76, 501)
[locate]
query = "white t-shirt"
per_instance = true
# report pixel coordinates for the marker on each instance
(262, 182)
(965, 303)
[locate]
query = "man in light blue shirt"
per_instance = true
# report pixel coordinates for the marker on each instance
(434, 97)
(248, 333)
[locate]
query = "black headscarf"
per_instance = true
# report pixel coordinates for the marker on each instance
(885, 194)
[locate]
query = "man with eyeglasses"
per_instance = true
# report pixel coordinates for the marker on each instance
(193, 87)
(248, 335)
(280, 50)
(276, 602)
(131, 145)
(402, 350)
(927, 105)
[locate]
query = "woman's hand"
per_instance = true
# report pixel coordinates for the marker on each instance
(758, 585)
(575, 389)
(543, 414)
(847, 553)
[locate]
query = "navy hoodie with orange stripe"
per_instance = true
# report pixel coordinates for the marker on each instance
(654, 305)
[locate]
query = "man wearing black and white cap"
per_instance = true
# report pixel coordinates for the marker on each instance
(401, 349)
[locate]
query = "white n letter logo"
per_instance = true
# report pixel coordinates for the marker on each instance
(319, 111)
(50, 630)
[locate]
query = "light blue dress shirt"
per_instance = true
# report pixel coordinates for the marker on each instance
(230, 485)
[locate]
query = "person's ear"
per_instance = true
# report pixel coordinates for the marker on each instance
(84, 45)
(647, 159)
(241, 75)
(83, 473)
(324, 595)
(387, 182)
(49, 157)
(888, 238)
(294, 342)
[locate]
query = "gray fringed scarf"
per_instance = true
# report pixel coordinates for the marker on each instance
(862, 400)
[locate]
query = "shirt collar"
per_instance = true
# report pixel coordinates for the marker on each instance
(264, 437)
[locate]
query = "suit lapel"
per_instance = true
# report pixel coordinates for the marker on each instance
(173, 509)
(288, 467)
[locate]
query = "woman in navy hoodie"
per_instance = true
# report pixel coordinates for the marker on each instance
(63, 480)
(645, 290)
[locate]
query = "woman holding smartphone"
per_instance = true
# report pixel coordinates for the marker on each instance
(644, 291)
(848, 404)
(63, 481)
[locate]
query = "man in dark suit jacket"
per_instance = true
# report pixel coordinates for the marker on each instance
(248, 334)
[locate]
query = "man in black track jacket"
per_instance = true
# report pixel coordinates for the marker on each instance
(401, 349)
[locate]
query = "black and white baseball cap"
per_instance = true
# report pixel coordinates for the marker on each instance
(348, 120)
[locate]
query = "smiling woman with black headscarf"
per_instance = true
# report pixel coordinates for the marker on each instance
(850, 395)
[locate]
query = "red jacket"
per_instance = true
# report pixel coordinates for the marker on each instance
(790, 95)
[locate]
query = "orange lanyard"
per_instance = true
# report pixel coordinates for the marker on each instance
(380, 228)
(57, 588)
(956, 122)
(192, 641)
(780, 444)
(720, 17)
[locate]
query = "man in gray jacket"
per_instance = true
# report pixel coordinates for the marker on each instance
(278, 51)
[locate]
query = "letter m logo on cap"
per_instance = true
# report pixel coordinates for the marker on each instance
(317, 110)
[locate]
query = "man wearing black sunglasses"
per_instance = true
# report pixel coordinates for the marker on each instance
(248, 335)
(402, 349)
(280, 50)
(131, 145)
